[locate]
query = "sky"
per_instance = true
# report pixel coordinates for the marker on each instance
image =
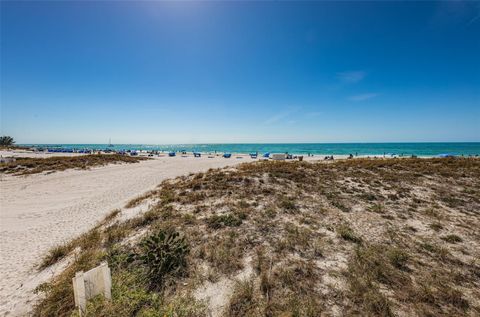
(154, 72)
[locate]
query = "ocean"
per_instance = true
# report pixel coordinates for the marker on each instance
(406, 149)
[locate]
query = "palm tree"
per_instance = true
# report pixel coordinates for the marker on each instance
(6, 140)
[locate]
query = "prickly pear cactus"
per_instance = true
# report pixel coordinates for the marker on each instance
(164, 253)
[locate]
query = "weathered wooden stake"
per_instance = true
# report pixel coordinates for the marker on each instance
(90, 284)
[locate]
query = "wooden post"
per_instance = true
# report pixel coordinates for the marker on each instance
(79, 292)
(107, 280)
(90, 284)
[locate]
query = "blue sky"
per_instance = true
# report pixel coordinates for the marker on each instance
(192, 72)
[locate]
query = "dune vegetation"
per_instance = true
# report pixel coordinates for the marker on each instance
(363, 237)
(25, 166)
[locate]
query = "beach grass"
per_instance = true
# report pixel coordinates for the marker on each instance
(26, 166)
(272, 238)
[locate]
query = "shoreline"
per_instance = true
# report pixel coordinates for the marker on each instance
(423, 149)
(320, 156)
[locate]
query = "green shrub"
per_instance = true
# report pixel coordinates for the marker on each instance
(377, 208)
(436, 226)
(452, 238)
(398, 258)
(288, 205)
(164, 253)
(227, 220)
(346, 233)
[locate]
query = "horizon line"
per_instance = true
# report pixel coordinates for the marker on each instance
(202, 143)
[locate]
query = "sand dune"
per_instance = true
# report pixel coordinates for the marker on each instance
(41, 211)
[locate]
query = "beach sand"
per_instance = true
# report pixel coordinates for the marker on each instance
(41, 211)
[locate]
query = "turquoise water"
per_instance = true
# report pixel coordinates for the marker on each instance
(419, 149)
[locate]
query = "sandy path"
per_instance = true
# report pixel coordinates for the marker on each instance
(38, 212)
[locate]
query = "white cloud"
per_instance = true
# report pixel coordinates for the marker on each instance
(351, 77)
(363, 97)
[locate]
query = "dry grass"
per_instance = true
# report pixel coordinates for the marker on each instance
(55, 254)
(357, 237)
(346, 233)
(243, 301)
(25, 166)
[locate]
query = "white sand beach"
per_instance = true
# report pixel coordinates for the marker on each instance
(41, 211)
(239, 158)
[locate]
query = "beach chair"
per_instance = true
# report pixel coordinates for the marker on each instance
(266, 155)
(227, 155)
(171, 154)
(197, 154)
(253, 155)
